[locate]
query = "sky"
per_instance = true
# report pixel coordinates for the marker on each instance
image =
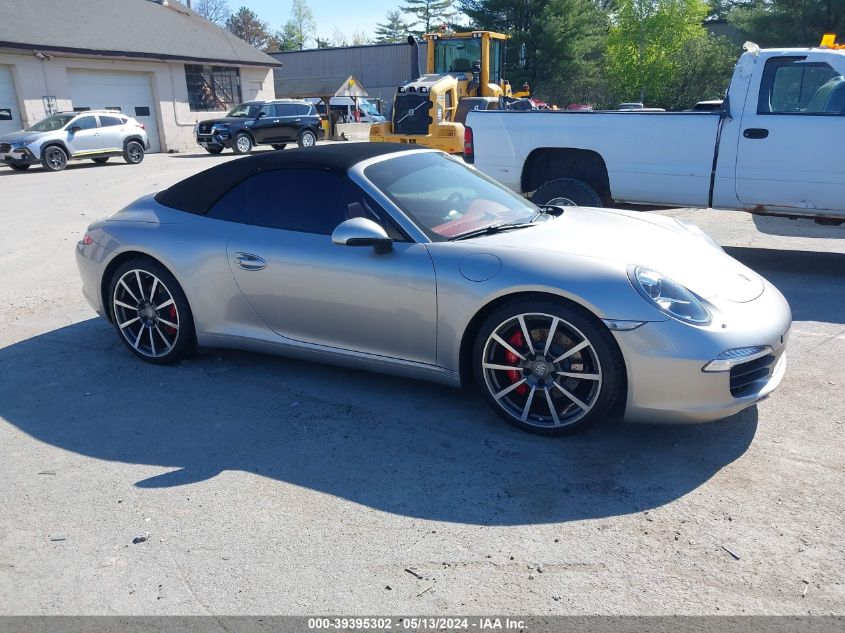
(347, 15)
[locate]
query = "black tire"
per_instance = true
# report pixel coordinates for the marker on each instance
(307, 138)
(213, 150)
(101, 160)
(19, 166)
(279, 145)
(572, 189)
(146, 321)
(53, 158)
(531, 388)
(242, 143)
(133, 153)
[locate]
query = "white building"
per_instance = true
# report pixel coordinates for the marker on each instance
(154, 60)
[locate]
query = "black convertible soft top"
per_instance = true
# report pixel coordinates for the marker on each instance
(198, 193)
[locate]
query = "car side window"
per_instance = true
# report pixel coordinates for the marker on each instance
(302, 109)
(85, 123)
(285, 109)
(792, 85)
(110, 121)
(302, 200)
(267, 110)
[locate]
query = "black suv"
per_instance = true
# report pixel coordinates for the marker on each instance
(253, 123)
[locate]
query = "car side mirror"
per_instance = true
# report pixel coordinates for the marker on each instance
(362, 232)
(260, 115)
(75, 129)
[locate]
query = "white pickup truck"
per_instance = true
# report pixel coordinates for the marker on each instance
(777, 147)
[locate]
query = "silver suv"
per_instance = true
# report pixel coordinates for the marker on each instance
(94, 134)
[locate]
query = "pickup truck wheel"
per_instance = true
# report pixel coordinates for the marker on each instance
(573, 189)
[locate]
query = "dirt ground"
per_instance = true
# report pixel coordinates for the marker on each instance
(276, 486)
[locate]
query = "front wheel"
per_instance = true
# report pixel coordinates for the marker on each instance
(547, 367)
(242, 143)
(133, 153)
(150, 312)
(564, 191)
(54, 158)
(307, 138)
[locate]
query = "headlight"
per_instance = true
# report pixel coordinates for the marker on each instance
(669, 297)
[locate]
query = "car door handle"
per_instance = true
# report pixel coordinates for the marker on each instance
(297, 120)
(275, 120)
(248, 261)
(755, 132)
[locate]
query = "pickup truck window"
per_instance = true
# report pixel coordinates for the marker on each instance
(791, 85)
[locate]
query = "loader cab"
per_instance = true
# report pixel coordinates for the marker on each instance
(477, 56)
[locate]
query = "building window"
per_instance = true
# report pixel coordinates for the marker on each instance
(142, 111)
(212, 88)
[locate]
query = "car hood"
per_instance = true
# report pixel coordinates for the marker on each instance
(225, 119)
(23, 135)
(637, 238)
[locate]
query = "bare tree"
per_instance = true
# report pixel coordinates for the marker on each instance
(216, 11)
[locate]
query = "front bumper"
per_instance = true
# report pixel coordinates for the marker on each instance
(214, 140)
(664, 362)
(20, 156)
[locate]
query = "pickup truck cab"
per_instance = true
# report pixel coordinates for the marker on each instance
(773, 148)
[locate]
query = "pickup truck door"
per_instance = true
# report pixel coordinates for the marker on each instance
(789, 137)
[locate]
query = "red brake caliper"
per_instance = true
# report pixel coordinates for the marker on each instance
(517, 340)
(171, 313)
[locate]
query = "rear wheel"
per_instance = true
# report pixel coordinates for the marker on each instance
(279, 146)
(576, 191)
(150, 312)
(242, 143)
(19, 167)
(547, 367)
(101, 160)
(133, 153)
(307, 138)
(54, 158)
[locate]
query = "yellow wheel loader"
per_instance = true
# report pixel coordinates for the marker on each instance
(463, 72)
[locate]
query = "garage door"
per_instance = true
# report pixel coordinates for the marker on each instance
(128, 92)
(10, 116)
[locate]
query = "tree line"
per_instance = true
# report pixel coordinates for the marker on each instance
(599, 52)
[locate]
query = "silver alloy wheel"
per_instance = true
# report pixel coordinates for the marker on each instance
(146, 313)
(243, 143)
(308, 139)
(542, 370)
(56, 158)
(134, 152)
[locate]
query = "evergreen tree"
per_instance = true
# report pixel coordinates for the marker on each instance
(428, 15)
(393, 29)
(245, 24)
(800, 23)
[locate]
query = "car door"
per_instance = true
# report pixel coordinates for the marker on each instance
(83, 136)
(307, 289)
(112, 133)
(288, 129)
(786, 153)
(265, 127)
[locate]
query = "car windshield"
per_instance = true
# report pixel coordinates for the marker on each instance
(245, 111)
(52, 123)
(444, 197)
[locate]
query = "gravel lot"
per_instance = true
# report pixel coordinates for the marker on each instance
(276, 486)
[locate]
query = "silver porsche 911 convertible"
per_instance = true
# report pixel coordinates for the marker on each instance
(407, 261)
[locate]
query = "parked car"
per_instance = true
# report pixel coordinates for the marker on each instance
(274, 123)
(766, 149)
(94, 134)
(408, 261)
